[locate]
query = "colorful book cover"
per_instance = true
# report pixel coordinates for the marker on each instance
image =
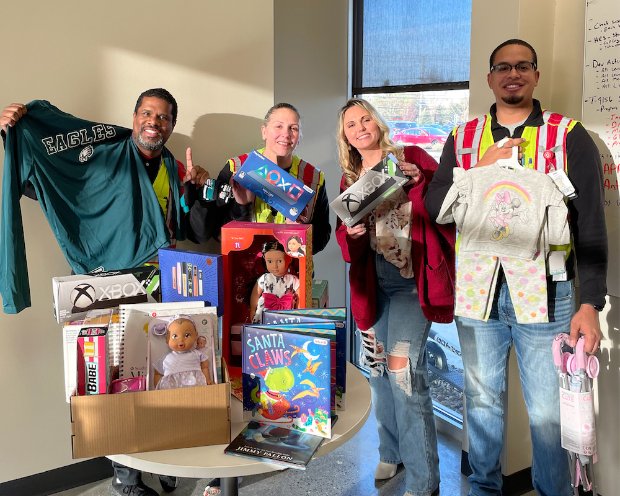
(309, 325)
(286, 378)
(373, 188)
(275, 444)
(272, 184)
(337, 315)
(192, 276)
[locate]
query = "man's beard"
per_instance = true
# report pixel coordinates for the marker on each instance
(512, 99)
(152, 146)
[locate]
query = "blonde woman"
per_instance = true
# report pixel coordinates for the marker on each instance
(401, 279)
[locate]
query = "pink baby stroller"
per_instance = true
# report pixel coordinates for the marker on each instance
(576, 370)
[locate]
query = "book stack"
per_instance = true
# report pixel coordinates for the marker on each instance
(289, 372)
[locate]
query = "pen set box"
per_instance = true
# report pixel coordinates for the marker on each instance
(192, 276)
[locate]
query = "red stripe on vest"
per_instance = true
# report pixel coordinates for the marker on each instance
(241, 158)
(308, 173)
(468, 139)
(552, 134)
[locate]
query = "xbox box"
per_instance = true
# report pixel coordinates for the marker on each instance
(371, 189)
(75, 295)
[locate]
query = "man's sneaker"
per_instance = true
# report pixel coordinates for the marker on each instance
(168, 483)
(138, 489)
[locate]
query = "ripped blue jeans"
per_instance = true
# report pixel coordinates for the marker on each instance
(394, 351)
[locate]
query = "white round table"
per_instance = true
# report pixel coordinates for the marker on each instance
(210, 461)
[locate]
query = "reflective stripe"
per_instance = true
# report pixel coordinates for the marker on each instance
(550, 137)
(467, 142)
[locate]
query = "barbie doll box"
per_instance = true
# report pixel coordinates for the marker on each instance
(272, 184)
(371, 189)
(242, 245)
(192, 276)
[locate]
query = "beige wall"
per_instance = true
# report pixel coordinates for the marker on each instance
(556, 29)
(311, 72)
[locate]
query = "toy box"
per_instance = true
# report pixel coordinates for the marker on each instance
(75, 295)
(92, 373)
(276, 187)
(241, 248)
(133, 422)
(320, 295)
(192, 276)
(374, 187)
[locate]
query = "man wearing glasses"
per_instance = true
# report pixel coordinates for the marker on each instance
(547, 142)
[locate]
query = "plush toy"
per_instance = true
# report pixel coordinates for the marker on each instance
(277, 288)
(185, 365)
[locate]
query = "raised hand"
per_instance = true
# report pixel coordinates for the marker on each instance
(499, 151)
(194, 173)
(11, 114)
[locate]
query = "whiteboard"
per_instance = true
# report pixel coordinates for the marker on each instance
(601, 113)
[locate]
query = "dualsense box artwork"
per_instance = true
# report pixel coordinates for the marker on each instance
(272, 184)
(374, 187)
(75, 295)
(192, 276)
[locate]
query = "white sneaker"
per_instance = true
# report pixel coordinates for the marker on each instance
(385, 471)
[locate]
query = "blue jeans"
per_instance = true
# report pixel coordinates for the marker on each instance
(400, 393)
(485, 347)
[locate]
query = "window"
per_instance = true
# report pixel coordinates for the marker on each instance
(411, 62)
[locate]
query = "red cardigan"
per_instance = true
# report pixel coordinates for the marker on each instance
(432, 254)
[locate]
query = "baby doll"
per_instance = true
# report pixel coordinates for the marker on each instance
(184, 365)
(276, 289)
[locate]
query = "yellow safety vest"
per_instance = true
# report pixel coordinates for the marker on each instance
(544, 148)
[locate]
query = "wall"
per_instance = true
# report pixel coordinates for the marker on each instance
(311, 72)
(93, 60)
(556, 30)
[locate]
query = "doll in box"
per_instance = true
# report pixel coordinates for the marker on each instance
(277, 288)
(184, 365)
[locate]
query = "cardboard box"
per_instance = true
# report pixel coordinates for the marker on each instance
(272, 184)
(373, 188)
(241, 244)
(133, 422)
(75, 295)
(320, 295)
(192, 276)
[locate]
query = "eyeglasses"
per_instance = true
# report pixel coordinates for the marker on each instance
(521, 67)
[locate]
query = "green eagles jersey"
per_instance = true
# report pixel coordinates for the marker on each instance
(94, 190)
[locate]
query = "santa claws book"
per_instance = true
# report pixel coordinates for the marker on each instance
(286, 379)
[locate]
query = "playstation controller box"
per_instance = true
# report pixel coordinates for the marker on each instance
(370, 190)
(77, 294)
(272, 184)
